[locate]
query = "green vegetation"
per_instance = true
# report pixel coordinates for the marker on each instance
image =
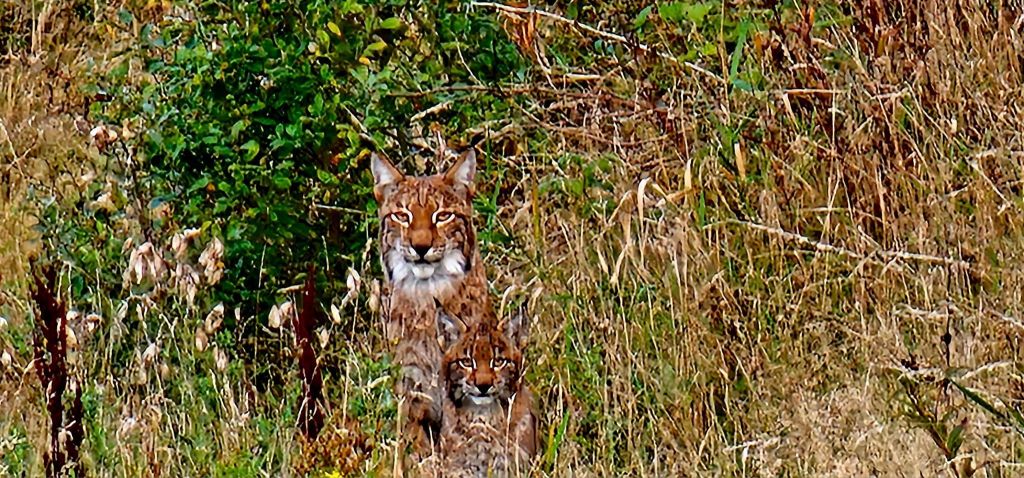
(760, 238)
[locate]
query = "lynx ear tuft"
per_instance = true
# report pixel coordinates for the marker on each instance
(463, 172)
(384, 174)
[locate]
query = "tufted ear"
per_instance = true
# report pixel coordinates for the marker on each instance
(384, 175)
(517, 328)
(449, 327)
(463, 172)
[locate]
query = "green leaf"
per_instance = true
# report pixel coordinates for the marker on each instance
(697, 13)
(641, 18)
(318, 105)
(552, 452)
(125, 16)
(333, 27)
(237, 128)
(198, 184)
(325, 177)
(282, 182)
(376, 46)
(251, 148)
(672, 11)
(737, 53)
(353, 137)
(955, 439)
(974, 397)
(742, 85)
(572, 11)
(120, 71)
(392, 23)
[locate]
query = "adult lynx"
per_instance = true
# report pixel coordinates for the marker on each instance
(489, 427)
(429, 253)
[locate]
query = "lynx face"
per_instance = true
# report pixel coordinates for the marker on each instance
(427, 237)
(484, 362)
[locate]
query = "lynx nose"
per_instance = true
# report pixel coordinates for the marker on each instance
(422, 250)
(483, 387)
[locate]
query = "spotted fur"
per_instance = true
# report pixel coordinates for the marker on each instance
(489, 426)
(429, 255)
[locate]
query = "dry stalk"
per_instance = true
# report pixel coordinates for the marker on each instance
(50, 361)
(311, 415)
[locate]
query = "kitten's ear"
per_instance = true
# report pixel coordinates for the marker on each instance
(463, 172)
(384, 175)
(517, 328)
(449, 327)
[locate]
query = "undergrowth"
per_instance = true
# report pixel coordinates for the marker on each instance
(759, 238)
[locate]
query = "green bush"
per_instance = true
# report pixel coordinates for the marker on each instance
(257, 111)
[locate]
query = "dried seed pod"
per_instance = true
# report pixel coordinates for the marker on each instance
(274, 320)
(374, 300)
(151, 353)
(287, 311)
(92, 321)
(335, 314)
(353, 280)
(202, 339)
(214, 319)
(72, 338)
(221, 358)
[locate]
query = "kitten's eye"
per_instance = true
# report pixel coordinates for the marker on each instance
(441, 217)
(401, 217)
(466, 363)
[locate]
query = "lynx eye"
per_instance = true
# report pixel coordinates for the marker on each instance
(466, 362)
(441, 217)
(401, 217)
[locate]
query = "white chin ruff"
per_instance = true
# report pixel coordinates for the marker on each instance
(480, 400)
(422, 271)
(434, 277)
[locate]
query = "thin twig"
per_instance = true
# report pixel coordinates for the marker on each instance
(821, 246)
(349, 210)
(825, 247)
(429, 111)
(583, 26)
(946, 261)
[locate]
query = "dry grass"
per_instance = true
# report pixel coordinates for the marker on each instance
(746, 284)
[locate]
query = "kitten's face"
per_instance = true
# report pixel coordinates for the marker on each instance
(427, 236)
(484, 362)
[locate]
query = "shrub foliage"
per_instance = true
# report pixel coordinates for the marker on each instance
(259, 114)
